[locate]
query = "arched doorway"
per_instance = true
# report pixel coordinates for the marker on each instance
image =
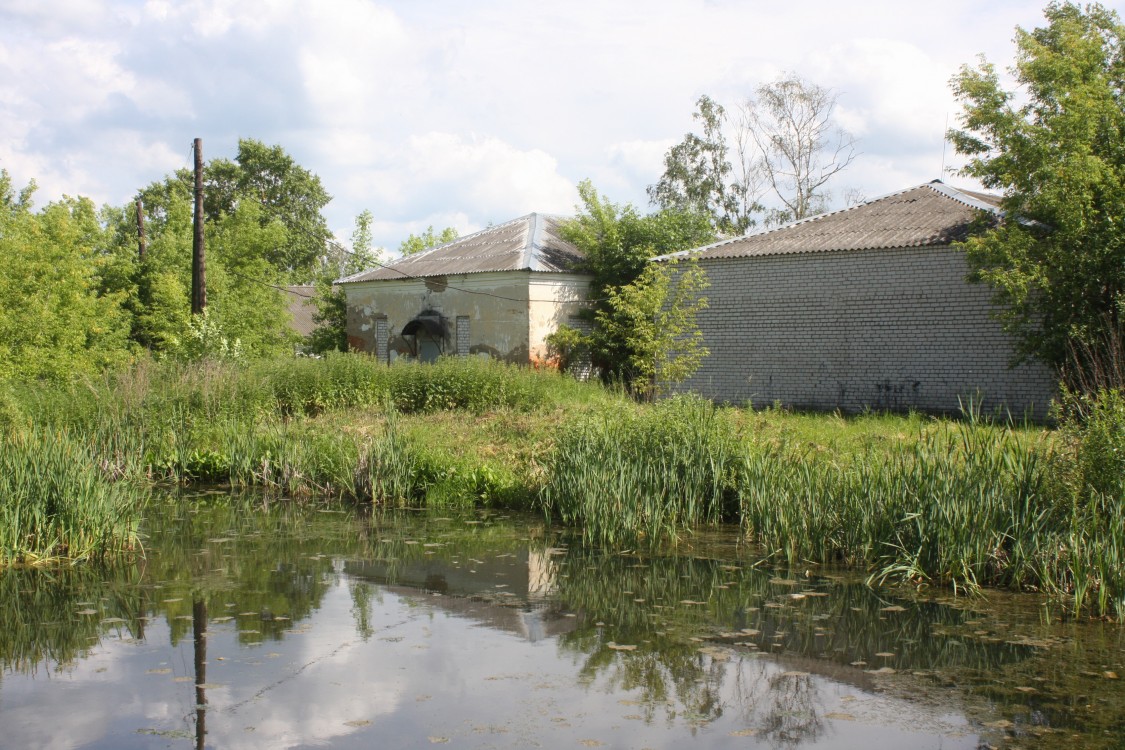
(426, 334)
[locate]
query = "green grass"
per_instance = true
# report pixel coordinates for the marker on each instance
(643, 474)
(57, 503)
(965, 503)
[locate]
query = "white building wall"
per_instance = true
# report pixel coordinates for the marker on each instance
(553, 299)
(506, 315)
(881, 329)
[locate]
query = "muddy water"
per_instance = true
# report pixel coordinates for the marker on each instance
(245, 626)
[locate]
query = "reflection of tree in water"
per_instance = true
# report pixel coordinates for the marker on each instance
(795, 710)
(275, 562)
(51, 618)
(215, 553)
(669, 671)
(671, 608)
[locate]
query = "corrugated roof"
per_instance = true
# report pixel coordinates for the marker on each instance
(529, 243)
(929, 214)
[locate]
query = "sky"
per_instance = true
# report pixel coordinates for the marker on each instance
(467, 114)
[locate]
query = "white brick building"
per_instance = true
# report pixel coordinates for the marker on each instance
(868, 307)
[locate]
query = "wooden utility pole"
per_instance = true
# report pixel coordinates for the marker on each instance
(141, 242)
(198, 266)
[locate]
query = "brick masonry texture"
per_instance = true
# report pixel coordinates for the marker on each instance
(882, 329)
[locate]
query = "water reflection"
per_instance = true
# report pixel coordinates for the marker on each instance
(285, 626)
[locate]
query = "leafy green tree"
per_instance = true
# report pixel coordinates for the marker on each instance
(245, 288)
(54, 320)
(655, 316)
(285, 191)
(264, 231)
(331, 314)
(1055, 147)
(416, 243)
(618, 242)
(698, 176)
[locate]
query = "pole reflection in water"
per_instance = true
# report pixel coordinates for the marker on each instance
(199, 631)
(412, 629)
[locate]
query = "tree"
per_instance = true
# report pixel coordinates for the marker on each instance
(798, 148)
(267, 176)
(286, 192)
(54, 320)
(1055, 147)
(618, 243)
(784, 140)
(656, 315)
(416, 243)
(264, 231)
(698, 176)
(331, 302)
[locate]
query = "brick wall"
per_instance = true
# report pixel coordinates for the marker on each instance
(885, 329)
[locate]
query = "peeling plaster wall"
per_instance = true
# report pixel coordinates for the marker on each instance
(496, 304)
(554, 298)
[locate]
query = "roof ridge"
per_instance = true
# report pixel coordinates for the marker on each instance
(937, 186)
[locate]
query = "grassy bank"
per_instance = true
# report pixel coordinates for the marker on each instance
(965, 503)
(57, 502)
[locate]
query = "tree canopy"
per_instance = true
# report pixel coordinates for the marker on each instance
(416, 243)
(1055, 146)
(643, 316)
(54, 320)
(783, 140)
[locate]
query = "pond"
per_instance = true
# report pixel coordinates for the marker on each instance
(250, 625)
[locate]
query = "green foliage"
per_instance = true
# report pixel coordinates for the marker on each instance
(1054, 147)
(57, 504)
(331, 316)
(783, 140)
(967, 504)
(618, 242)
(646, 474)
(656, 316)
(427, 239)
(697, 176)
(1094, 425)
(206, 339)
(55, 321)
(284, 191)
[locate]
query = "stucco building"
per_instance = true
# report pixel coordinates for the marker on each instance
(867, 307)
(498, 292)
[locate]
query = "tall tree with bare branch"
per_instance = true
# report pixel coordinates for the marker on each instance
(798, 145)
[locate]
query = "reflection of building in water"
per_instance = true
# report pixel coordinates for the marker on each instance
(541, 572)
(505, 592)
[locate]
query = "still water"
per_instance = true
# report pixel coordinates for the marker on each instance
(246, 625)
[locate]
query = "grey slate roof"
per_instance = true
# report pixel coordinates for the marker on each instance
(929, 214)
(529, 243)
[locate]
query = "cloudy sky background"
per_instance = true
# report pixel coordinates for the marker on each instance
(464, 114)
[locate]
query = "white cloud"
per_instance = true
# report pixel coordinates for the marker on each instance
(482, 110)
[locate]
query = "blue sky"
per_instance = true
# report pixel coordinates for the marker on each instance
(464, 114)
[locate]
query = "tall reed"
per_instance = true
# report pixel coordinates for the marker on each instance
(967, 504)
(644, 474)
(56, 504)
